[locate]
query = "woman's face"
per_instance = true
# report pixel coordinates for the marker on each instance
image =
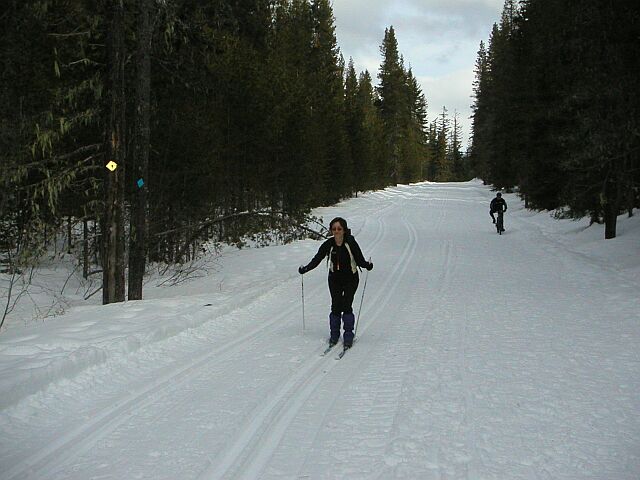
(337, 231)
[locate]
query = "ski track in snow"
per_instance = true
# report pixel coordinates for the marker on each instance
(84, 437)
(247, 456)
(478, 357)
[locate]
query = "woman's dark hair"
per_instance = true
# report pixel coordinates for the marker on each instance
(343, 224)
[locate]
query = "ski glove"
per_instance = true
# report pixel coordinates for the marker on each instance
(302, 270)
(369, 266)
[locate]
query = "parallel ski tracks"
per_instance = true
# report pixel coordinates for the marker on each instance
(462, 421)
(384, 375)
(81, 439)
(253, 447)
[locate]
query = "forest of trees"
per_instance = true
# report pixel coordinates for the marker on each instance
(223, 118)
(557, 111)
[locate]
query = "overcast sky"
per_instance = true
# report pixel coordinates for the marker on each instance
(439, 40)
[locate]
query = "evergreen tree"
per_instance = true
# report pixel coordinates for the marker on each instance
(393, 106)
(506, 105)
(432, 151)
(443, 161)
(241, 108)
(458, 168)
(327, 97)
(51, 88)
(552, 112)
(353, 123)
(297, 178)
(543, 58)
(603, 143)
(417, 160)
(368, 151)
(481, 122)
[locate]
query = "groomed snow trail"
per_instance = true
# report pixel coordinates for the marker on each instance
(478, 357)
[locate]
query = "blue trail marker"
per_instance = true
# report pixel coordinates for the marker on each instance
(140, 183)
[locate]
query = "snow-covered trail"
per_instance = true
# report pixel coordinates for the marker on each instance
(478, 357)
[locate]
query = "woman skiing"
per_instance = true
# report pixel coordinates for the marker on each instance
(344, 257)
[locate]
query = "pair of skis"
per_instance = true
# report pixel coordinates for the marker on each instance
(340, 355)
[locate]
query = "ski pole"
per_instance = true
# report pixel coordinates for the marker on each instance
(302, 278)
(364, 287)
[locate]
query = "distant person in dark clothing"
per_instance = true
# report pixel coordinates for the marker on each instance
(498, 205)
(344, 257)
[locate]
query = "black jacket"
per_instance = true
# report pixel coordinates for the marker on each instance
(498, 204)
(340, 257)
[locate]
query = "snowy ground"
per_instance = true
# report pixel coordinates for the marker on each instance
(478, 357)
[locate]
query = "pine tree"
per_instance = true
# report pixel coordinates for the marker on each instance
(505, 104)
(393, 107)
(479, 154)
(297, 174)
(458, 169)
(552, 112)
(327, 97)
(51, 88)
(416, 135)
(606, 115)
(542, 63)
(369, 138)
(353, 123)
(443, 161)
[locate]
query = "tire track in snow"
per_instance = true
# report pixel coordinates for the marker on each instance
(455, 372)
(400, 361)
(375, 405)
(401, 448)
(439, 380)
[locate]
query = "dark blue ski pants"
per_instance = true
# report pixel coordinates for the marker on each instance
(343, 288)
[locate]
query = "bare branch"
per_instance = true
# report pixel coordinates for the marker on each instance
(66, 35)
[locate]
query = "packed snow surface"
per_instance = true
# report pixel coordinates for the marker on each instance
(478, 356)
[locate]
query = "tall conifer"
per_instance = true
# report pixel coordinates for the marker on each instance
(391, 90)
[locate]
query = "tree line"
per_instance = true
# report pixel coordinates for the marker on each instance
(222, 119)
(556, 114)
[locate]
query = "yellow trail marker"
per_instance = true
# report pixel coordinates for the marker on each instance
(112, 165)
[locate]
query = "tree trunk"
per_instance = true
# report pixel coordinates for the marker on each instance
(113, 276)
(69, 234)
(610, 219)
(613, 190)
(96, 248)
(139, 208)
(631, 196)
(85, 249)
